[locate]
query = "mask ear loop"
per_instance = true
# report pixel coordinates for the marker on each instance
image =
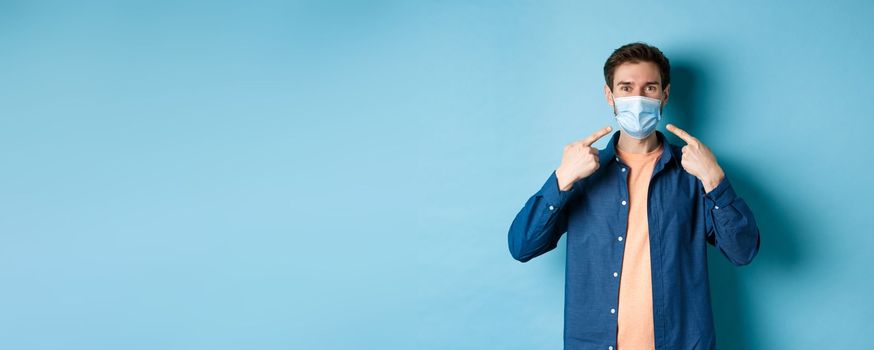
(613, 98)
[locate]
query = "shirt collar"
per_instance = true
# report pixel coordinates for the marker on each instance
(670, 153)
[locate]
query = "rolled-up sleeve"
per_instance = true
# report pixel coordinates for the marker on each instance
(730, 224)
(539, 225)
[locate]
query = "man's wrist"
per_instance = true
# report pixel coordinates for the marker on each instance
(564, 182)
(710, 182)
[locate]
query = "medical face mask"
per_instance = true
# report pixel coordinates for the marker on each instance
(638, 115)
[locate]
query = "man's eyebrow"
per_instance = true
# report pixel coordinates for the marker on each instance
(629, 83)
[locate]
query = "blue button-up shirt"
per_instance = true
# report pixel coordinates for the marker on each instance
(683, 218)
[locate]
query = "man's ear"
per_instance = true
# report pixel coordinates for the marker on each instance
(608, 95)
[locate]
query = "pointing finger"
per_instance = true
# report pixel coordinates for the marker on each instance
(682, 134)
(597, 135)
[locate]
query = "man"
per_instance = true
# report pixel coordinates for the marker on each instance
(638, 215)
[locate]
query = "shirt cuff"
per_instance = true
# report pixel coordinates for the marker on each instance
(723, 194)
(556, 198)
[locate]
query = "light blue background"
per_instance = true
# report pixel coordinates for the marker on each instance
(330, 175)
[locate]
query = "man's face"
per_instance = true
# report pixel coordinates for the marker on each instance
(637, 79)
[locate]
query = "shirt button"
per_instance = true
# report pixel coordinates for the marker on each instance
(551, 207)
(619, 238)
(717, 207)
(612, 311)
(624, 202)
(623, 170)
(615, 274)
(609, 348)
(617, 159)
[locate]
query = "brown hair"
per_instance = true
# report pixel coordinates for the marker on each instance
(634, 53)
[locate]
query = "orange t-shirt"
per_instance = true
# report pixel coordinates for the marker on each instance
(635, 319)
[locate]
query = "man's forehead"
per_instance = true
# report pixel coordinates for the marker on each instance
(637, 73)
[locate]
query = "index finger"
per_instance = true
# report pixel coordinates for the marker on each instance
(588, 141)
(681, 134)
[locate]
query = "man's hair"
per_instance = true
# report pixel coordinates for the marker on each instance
(635, 53)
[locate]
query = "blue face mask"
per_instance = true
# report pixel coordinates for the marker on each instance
(638, 115)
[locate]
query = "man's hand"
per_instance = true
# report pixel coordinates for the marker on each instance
(579, 161)
(698, 160)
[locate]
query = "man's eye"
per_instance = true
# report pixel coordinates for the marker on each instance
(651, 88)
(626, 88)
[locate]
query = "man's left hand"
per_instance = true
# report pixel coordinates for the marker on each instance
(698, 160)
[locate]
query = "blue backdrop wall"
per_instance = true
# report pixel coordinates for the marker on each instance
(342, 175)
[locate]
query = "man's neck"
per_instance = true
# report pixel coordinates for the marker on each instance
(633, 145)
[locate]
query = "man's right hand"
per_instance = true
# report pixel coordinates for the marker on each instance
(579, 161)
